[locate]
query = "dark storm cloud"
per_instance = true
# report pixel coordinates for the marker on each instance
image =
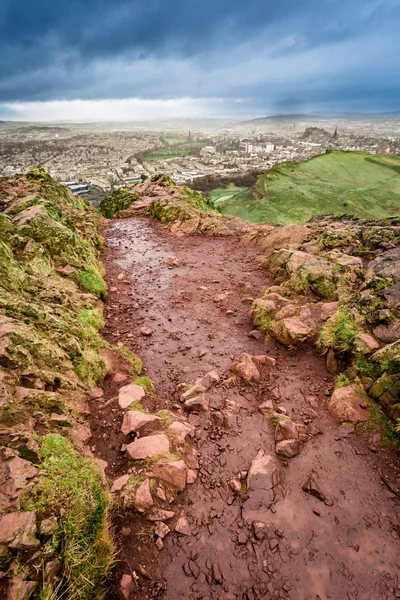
(216, 48)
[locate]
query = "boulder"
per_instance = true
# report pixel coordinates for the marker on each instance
(285, 429)
(290, 332)
(181, 431)
(172, 473)
(143, 499)
(389, 352)
(19, 589)
(157, 514)
(161, 530)
(182, 525)
(130, 393)
(197, 404)
(48, 526)
(246, 369)
(289, 448)
(172, 261)
(365, 343)
(346, 403)
(264, 473)
(126, 585)
(202, 385)
(119, 483)
(135, 420)
(18, 530)
(327, 309)
(388, 333)
(148, 447)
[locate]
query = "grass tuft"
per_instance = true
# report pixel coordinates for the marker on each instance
(71, 488)
(93, 283)
(339, 332)
(146, 383)
(134, 360)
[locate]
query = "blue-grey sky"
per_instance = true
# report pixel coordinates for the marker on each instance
(119, 59)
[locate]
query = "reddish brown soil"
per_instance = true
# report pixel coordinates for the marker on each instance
(345, 549)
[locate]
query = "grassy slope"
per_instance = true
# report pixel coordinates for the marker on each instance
(220, 195)
(357, 183)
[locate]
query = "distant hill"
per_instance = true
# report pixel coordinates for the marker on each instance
(355, 183)
(278, 118)
(41, 129)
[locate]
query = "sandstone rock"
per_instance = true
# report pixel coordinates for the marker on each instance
(246, 369)
(18, 589)
(202, 385)
(16, 475)
(137, 421)
(130, 393)
(182, 525)
(161, 529)
(120, 378)
(172, 261)
(158, 514)
(264, 473)
(143, 499)
(181, 431)
(209, 380)
(327, 310)
(331, 362)
(344, 405)
(160, 494)
(48, 526)
(286, 312)
(159, 543)
(265, 406)
(146, 331)
(262, 530)
(365, 343)
(51, 569)
(18, 530)
(197, 404)
(120, 483)
(255, 334)
(96, 393)
(285, 429)
(126, 585)
(263, 359)
(172, 473)
(191, 476)
(148, 447)
(289, 448)
(389, 352)
(290, 332)
(388, 333)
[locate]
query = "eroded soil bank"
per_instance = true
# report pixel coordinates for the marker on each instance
(339, 542)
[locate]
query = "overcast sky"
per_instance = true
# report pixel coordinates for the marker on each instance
(137, 59)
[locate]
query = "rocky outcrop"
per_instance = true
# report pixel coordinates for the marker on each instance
(50, 354)
(347, 405)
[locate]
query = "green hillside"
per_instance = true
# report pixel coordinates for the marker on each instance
(356, 183)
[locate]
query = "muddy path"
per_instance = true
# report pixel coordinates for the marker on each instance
(342, 543)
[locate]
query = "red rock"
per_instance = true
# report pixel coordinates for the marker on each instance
(136, 421)
(143, 500)
(246, 369)
(120, 483)
(146, 331)
(148, 447)
(182, 525)
(18, 530)
(344, 405)
(173, 473)
(130, 393)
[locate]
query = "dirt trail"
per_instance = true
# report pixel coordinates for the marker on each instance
(343, 548)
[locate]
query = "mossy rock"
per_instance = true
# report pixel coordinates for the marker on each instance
(117, 201)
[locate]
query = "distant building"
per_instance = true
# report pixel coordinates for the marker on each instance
(76, 187)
